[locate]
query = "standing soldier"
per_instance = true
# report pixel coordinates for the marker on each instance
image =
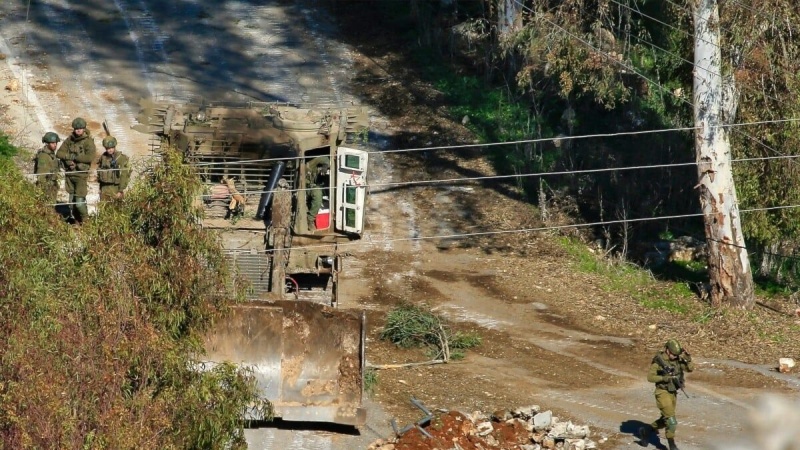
(77, 153)
(113, 173)
(46, 166)
(316, 180)
(667, 372)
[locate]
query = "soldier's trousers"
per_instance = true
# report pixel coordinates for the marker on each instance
(108, 192)
(78, 188)
(666, 402)
(315, 204)
(50, 189)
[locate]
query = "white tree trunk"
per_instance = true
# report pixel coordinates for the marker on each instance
(714, 104)
(508, 15)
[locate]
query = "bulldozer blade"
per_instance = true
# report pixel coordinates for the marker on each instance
(308, 359)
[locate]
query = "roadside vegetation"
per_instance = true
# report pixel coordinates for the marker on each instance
(101, 326)
(413, 326)
(578, 70)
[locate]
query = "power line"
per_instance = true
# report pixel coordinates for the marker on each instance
(502, 177)
(365, 242)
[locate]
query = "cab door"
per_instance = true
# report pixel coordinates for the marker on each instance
(351, 189)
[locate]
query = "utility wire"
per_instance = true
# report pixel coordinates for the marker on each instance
(369, 242)
(371, 186)
(495, 144)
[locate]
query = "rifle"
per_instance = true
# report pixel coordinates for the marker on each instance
(679, 380)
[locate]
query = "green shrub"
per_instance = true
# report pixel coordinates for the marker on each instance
(100, 326)
(409, 325)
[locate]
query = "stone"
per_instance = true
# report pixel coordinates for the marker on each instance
(525, 412)
(484, 428)
(548, 442)
(12, 86)
(543, 419)
(577, 431)
(502, 415)
(785, 365)
(491, 441)
(559, 430)
(574, 444)
(530, 447)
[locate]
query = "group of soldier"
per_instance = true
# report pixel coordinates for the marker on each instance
(75, 157)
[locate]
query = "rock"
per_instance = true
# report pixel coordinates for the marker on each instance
(542, 420)
(785, 365)
(377, 444)
(491, 441)
(502, 415)
(574, 444)
(12, 86)
(559, 430)
(467, 428)
(526, 412)
(590, 444)
(477, 416)
(577, 431)
(530, 447)
(484, 428)
(548, 442)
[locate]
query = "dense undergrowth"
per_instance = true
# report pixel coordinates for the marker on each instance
(100, 326)
(538, 85)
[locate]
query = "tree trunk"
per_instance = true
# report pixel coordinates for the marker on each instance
(508, 15)
(728, 263)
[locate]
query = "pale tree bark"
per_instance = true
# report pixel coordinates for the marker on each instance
(508, 15)
(714, 105)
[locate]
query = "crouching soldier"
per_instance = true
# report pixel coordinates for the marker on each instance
(113, 172)
(76, 154)
(46, 166)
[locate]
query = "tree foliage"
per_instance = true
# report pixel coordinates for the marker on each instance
(101, 327)
(599, 66)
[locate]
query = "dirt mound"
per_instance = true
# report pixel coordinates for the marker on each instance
(523, 428)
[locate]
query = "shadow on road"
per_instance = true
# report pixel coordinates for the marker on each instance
(307, 426)
(632, 427)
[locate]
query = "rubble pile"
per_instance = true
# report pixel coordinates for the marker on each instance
(521, 429)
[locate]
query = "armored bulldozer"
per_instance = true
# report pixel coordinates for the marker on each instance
(285, 189)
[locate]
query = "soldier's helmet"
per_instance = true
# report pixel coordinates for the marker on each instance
(674, 347)
(78, 123)
(50, 137)
(109, 142)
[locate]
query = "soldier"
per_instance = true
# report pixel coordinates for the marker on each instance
(667, 372)
(113, 172)
(316, 180)
(46, 166)
(77, 153)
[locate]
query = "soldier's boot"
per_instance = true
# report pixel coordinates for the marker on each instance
(671, 442)
(312, 226)
(643, 433)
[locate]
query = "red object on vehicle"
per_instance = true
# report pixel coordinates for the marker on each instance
(323, 219)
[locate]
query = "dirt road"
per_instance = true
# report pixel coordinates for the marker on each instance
(97, 59)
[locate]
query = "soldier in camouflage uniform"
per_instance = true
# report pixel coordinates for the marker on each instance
(76, 154)
(113, 172)
(316, 180)
(667, 372)
(46, 166)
